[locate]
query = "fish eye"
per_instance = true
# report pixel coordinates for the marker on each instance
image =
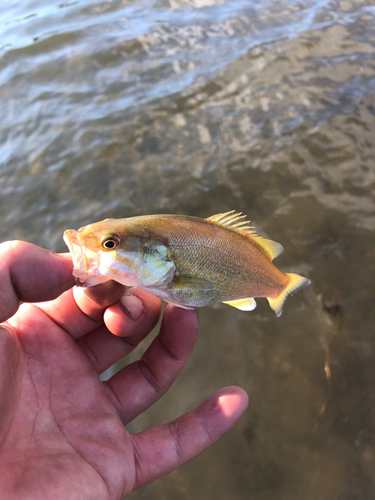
(110, 242)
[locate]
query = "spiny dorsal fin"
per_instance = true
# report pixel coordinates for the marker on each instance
(237, 221)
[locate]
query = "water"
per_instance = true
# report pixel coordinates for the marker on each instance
(121, 108)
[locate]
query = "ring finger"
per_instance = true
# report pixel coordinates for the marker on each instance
(137, 386)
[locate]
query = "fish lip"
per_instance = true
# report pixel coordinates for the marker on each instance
(85, 262)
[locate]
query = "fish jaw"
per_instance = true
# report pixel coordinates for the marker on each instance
(86, 262)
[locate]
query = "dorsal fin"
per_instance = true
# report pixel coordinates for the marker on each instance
(272, 248)
(237, 221)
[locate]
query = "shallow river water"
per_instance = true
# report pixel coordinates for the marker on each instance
(130, 107)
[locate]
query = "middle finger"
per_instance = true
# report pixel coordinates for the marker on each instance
(80, 310)
(121, 333)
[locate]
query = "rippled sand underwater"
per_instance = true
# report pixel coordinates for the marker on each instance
(122, 108)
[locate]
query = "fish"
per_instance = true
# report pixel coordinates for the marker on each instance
(187, 261)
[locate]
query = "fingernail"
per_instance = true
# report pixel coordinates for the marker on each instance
(133, 306)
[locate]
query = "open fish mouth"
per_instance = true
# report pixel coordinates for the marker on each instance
(86, 262)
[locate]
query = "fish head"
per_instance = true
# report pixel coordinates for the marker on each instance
(101, 252)
(117, 250)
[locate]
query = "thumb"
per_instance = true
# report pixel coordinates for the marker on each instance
(31, 274)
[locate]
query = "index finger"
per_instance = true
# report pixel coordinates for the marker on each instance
(31, 274)
(81, 310)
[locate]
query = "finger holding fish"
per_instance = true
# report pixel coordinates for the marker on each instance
(85, 306)
(93, 301)
(106, 334)
(135, 312)
(121, 333)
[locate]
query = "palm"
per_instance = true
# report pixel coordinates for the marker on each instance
(62, 431)
(65, 425)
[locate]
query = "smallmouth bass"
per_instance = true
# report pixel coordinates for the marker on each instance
(187, 261)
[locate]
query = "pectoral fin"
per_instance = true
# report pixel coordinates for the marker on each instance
(192, 283)
(242, 304)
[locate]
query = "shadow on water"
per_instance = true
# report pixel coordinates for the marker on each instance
(121, 108)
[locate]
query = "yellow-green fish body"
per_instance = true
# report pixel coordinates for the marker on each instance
(188, 261)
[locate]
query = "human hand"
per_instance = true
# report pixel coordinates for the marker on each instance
(62, 433)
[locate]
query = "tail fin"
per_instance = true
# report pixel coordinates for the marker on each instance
(296, 283)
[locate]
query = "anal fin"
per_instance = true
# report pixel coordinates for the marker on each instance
(243, 304)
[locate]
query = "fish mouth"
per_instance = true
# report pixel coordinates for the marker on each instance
(85, 261)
